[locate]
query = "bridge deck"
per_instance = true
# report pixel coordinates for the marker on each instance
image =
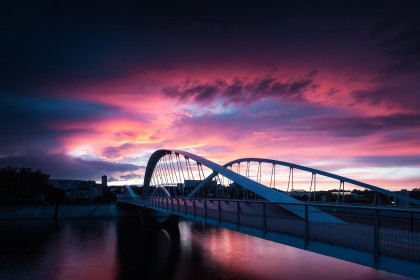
(388, 239)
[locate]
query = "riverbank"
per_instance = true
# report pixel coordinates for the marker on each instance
(65, 211)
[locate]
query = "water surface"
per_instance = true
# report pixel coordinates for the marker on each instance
(108, 249)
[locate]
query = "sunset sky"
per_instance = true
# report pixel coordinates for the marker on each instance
(94, 88)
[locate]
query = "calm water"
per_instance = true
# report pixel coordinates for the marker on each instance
(120, 249)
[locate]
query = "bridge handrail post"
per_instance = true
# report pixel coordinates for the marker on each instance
(172, 205)
(238, 216)
(376, 238)
(219, 208)
(177, 202)
(306, 217)
(412, 221)
(264, 218)
(205, 210)
(194, 207)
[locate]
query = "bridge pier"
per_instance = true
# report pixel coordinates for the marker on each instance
(154, 218)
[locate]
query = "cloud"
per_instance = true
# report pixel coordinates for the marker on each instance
(131, 176)
(241, 92)
(116, 151)
(125, 177)
(363, 126)
(42, 121)
(61, 166)
(389, 160)
(403, 97)
(399, 38)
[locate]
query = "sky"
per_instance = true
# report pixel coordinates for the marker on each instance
(90, 88)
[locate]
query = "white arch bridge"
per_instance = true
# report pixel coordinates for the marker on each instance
(254, 196)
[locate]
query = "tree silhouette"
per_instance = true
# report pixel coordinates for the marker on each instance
(23, 185)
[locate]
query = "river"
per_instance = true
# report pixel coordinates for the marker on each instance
(108, 249)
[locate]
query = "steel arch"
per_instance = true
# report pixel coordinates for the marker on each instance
(261, 190)
(313, 171)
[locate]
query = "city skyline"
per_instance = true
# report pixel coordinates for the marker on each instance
(90, 89)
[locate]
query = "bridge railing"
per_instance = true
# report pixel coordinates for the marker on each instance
(380, 231)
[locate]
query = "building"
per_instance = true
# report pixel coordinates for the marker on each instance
(405, 193)
(104, 182)
(78, 190)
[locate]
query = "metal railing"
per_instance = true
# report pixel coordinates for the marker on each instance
(380, 231)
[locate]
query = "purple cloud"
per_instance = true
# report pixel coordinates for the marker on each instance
(403, 97)
(65, 167)
(363, 126)
(241, 92)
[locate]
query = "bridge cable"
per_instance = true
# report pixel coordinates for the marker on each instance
(177, 175)
(168, 163)
(181, 172)
(159, 174)
(204, 177)
(203, 195)
(170, 181)
(274, 176)
(271, 176)
(162, 170)
(165, 174)
(189, 164)
(288, 183)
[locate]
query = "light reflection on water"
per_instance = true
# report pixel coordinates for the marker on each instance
(121, 249)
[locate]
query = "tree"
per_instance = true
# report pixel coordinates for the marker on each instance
(23, 185)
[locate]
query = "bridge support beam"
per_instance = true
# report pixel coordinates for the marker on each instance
(153, 218)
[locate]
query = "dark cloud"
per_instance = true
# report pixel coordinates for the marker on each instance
(116, 151)
(111, 152)
(399, 38)
(29, 121)
(404, 97)
(389, 160)
(65, 167)
(241, 92)
(363, 126)
(129, 176)
(386, 26)
(77, 41)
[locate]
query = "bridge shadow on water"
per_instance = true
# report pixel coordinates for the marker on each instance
(165, 253)
(146, 252)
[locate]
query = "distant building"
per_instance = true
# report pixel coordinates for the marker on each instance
(78, 190)
(299, 193)
(345, 192)
(191, 183)
(406, 193)
(120, 191)
(104, 181)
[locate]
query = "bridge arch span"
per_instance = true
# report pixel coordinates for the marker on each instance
(313, 171)
(257, 188)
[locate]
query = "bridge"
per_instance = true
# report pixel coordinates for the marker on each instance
(249, 199)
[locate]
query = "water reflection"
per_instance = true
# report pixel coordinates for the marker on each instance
(146, 253)
(122, 249)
